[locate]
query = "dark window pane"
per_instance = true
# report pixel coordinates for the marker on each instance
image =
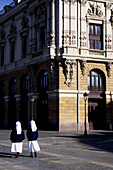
(93, 44)
(96, 44)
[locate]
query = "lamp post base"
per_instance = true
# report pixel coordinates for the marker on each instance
(85, 132)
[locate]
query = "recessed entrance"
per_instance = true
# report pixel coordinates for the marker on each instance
(96, 101)
(42, 116)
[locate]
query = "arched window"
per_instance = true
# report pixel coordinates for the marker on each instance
(25, 83)
(96, 80)
(43, 80)
(12, 86)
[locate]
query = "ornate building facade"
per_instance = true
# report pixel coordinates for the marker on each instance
(55, 51)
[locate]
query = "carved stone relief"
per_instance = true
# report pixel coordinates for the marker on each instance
(25, 22)
(12, 29)
(83, 2)
(95, 9)
(108, 69)
(108, 43)
(108, 5)
(83, 67)
(51, 70)
(68, 70)
(69, 39)
(83, 40)
(50, 39)
(32, 76)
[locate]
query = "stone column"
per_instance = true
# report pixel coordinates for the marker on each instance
(7, 99)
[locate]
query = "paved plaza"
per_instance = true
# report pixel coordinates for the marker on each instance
(61, 151)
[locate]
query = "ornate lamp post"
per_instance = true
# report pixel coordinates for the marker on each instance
(32, 101)
(85, 98)
(111, 111)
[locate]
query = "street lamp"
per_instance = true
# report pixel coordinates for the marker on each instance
(111, 110)
(32, 101)
(85, 98)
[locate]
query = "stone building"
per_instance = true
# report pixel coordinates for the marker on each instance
(55, 51)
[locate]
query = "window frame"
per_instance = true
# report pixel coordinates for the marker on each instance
(95, 34)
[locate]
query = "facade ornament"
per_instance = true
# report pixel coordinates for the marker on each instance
(95, 9)
(32, 76)
(108, 69)
(50, 39)
(83, 67)
(12, 29)
(108, 42)
(73, 39)
(12, 33)
(73, 1)
(68, 70)
(108, 5)
(25, 22)
(83, 2)
(112, 17)
(83, 40)
(51, 70)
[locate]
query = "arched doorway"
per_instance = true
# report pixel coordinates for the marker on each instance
(24, 86)
(12, 103)
(96, 99)
(42, 117)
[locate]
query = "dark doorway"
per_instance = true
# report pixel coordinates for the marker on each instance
(42, 117)
(96, 99)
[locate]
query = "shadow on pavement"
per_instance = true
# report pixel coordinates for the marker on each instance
(10, 155)
(101, 141)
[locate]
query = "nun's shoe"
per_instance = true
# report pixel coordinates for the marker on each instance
(16, 156)
(35, 154)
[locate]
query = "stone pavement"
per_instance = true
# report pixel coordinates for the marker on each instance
(61, 151)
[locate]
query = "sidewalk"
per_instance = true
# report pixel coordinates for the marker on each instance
(61, 151)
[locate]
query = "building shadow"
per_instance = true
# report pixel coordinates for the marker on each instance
(99, 141)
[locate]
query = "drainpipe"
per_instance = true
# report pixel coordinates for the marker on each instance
(78, 127)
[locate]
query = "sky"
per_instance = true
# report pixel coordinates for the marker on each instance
(4, 2)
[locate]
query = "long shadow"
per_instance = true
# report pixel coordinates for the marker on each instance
(101, 141)
(10, 155)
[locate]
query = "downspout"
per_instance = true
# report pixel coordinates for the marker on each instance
(78, 127)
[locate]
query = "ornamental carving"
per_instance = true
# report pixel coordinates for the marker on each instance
(12, 29)
(73, 39)
(108, 69)
(108, 43)
(83, 67)
(95, 9)
(68, 70)
(83, 2)
(25, 22)
(51, 70)
(108, 5)
(83, 40)
(32, 76)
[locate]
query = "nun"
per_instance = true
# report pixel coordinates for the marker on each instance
(32, 135)
(17, 138)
